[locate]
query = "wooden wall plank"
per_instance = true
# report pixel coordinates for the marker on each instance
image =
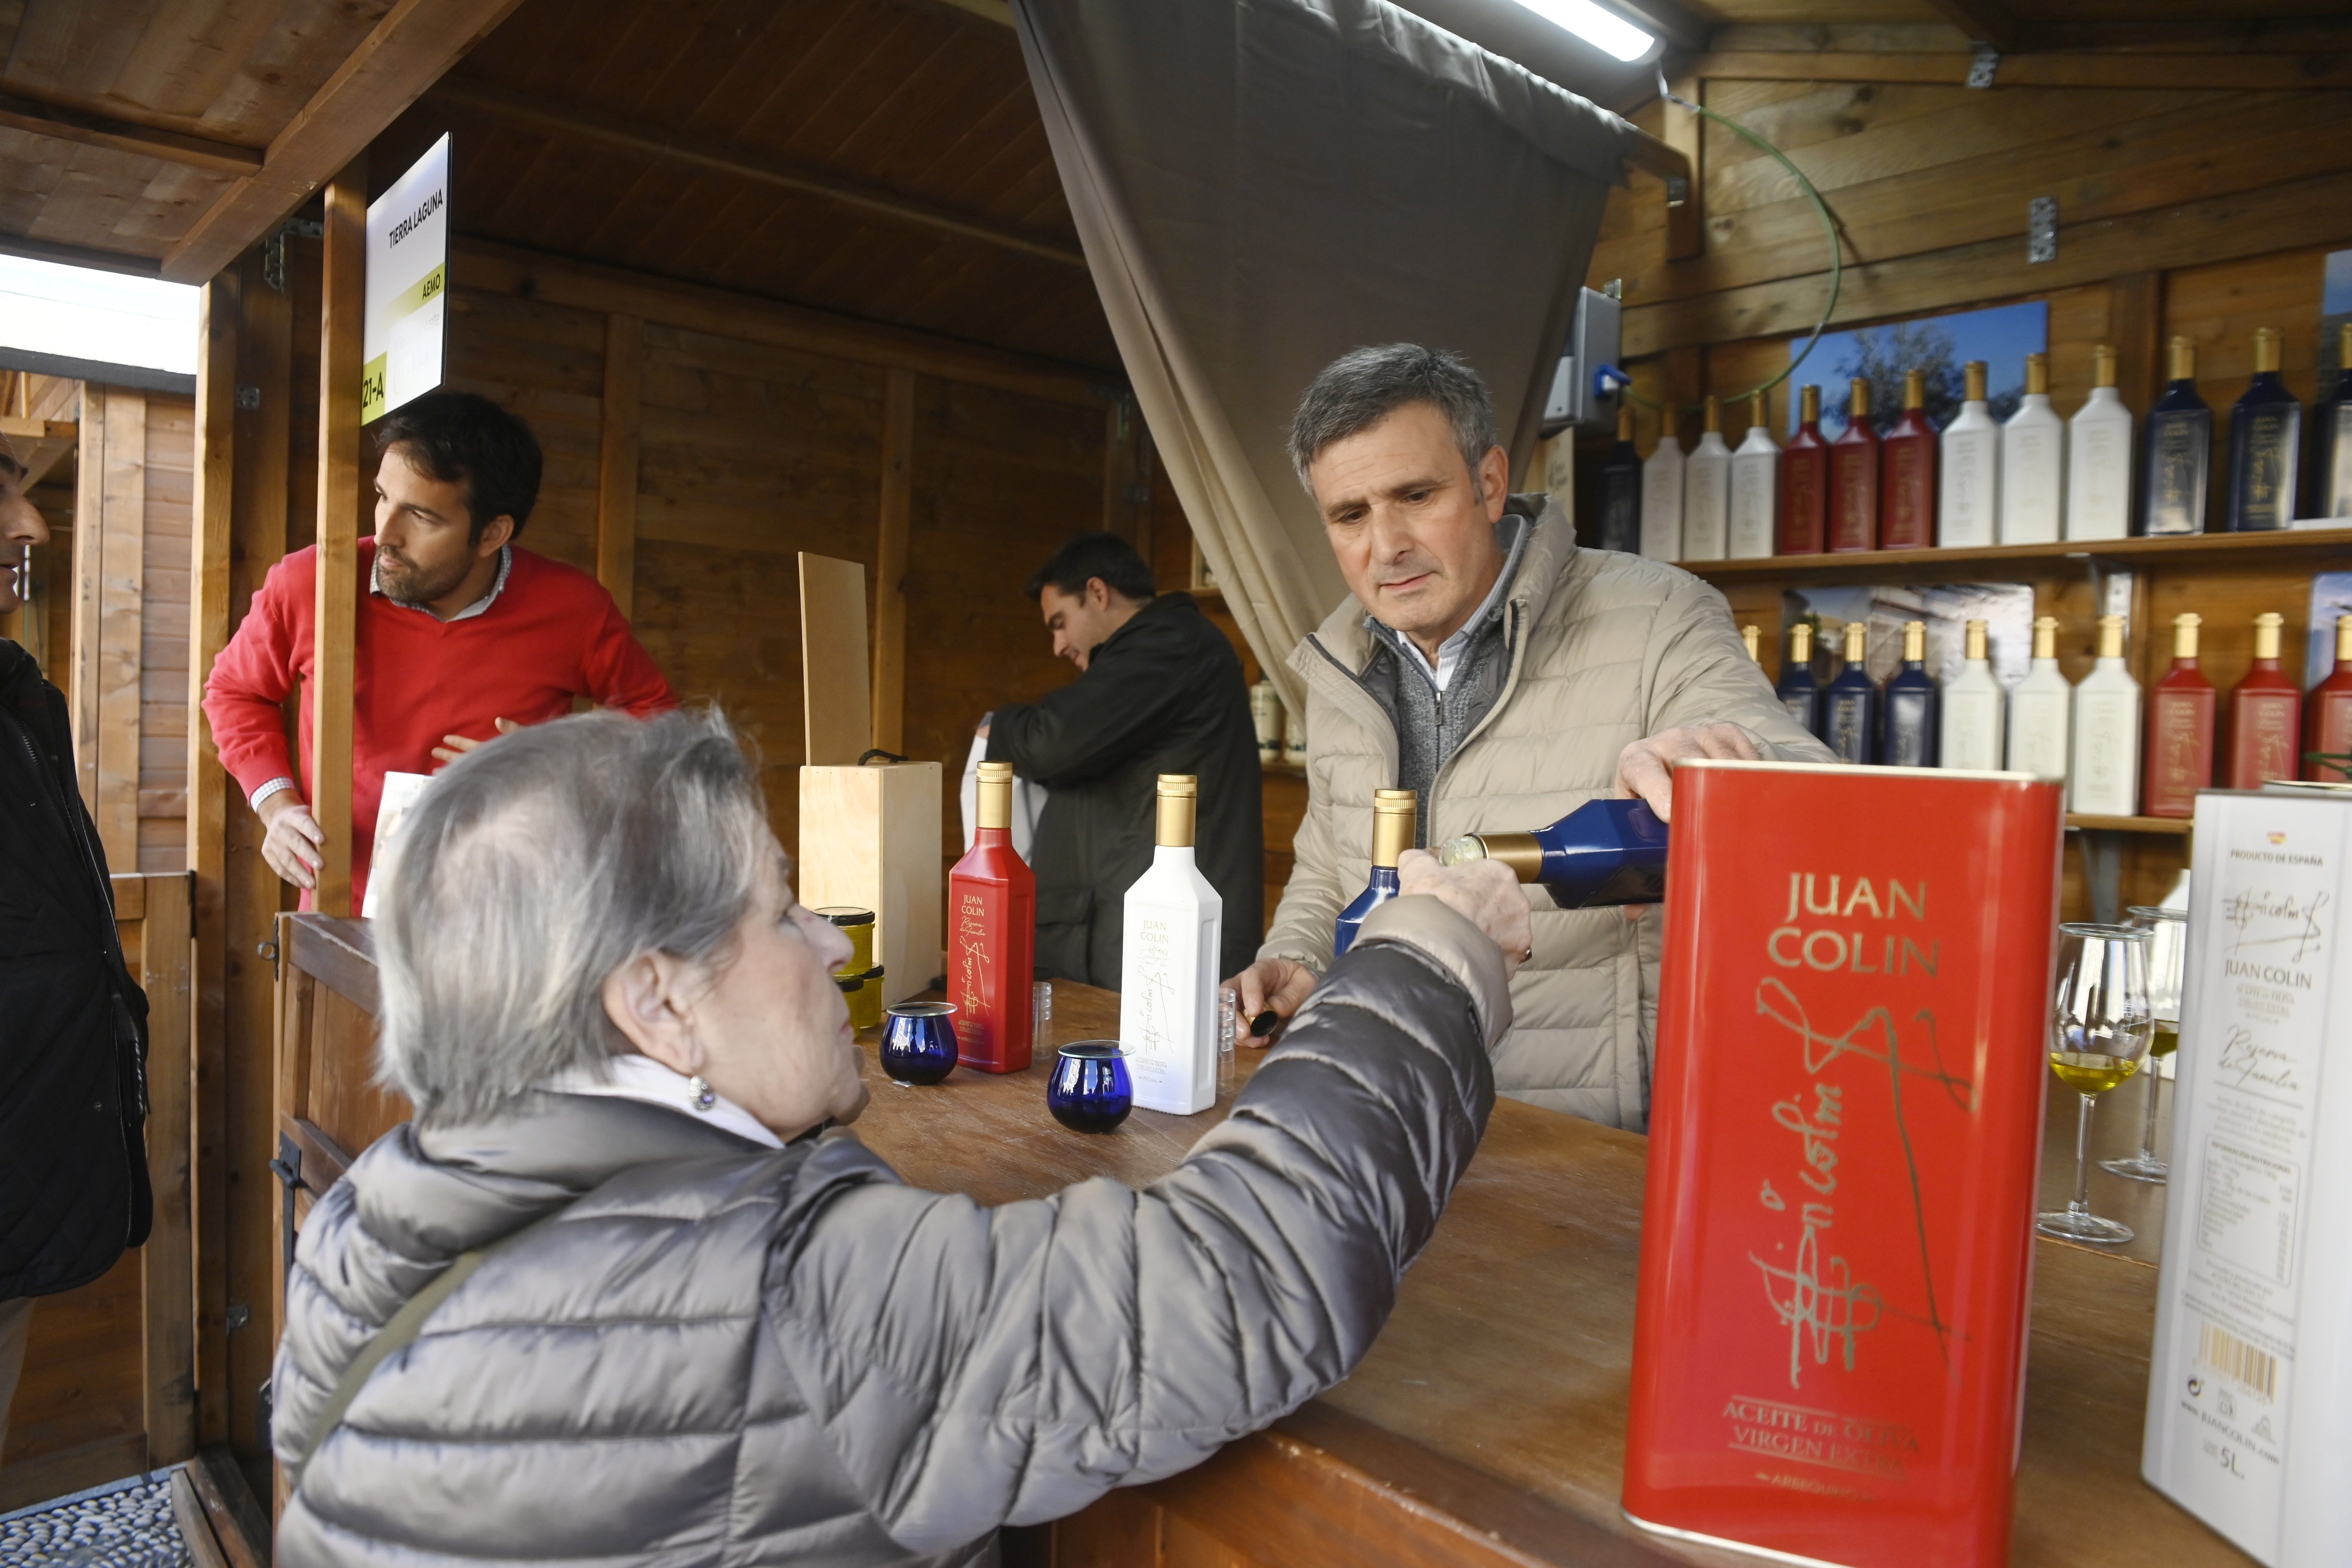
(167, 1262)
(88, 542)
(120, 550)
(338, 521)
(167, 545)
(617, 469)
(891, 562)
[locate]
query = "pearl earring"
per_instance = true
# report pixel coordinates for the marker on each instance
(705, 1097)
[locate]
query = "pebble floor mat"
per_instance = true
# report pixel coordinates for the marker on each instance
(122, 1524)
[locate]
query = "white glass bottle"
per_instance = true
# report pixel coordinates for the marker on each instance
(2107, 731)
(1167, 965)
(2099, 458)
(1706, 492)
(2041, 712)
(1755, 487)
(1662, 497)
(1971, 470)
(1972, 709)
(2032, 463)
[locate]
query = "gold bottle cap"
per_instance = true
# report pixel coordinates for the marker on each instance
(1800, 642)
(1760, 406)
(2184, 357)
(2344, 348)
(1809, 406)
(1179, 803)
(1914, 389)
(1624, 421)
(1976, 641)
(992, 795)
(2045, 636)
(2184, 634)
(1394, 815)
(1915, 641)
(2037, 374)
(1714, 420)
(2344, 623)
(2103, 365)
(1857, 400)
(1857, 642)
(2266, 634)
(1973, 375)
(2266, 350)
(2111, 636)
(1754, 638)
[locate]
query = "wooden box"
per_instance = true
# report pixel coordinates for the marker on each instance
(871, 839)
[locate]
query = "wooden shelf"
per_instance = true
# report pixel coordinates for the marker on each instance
(2178, 825)
(1864, 565)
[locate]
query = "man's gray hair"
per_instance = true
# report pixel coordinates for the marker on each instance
(1364, 386)
(535, 866)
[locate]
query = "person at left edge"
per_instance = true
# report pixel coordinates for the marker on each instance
(461, 634)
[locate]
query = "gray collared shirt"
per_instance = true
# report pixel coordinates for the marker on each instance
(505, 565)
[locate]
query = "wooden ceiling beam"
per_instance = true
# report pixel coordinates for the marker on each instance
(65, 122)
(79, 256)
(410, 49)
(587, 129)
(40, 444)
(1984, 21)
(2234, 72)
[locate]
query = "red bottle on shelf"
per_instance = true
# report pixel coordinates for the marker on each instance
(2179, 729)
(2327, 712)
(1906, 469)
(1854, 478)
(1837, 1236)
(992, 935)
(1805, 482)
(2265, 715)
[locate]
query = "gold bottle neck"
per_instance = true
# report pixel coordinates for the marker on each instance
(1857, 401)
(1857, 642)
(1809, 406)
(2037, 375)
(993, 797)
(1972, 376)
(2266, 635)
(1178, 801)
(1914, 389)
(2344, 623)
(1754, 638)
(1915, 642)
(2111, 636)
(2184, 358)
(1760, 408)
(1394, 811)
(2045, 636)
(2103, 367)
(2266, 351)
(1713, 422)
(1975, 642)
(2184, 634)
(1800, 643)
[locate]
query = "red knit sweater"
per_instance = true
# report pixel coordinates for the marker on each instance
(551, 634)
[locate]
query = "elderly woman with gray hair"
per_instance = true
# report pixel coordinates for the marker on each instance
(646, 1314)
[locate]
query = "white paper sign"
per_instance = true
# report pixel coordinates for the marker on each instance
(407, 287)
(400, 791)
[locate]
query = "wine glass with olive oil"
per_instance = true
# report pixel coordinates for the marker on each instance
(2167, 952)
(2100, 1030)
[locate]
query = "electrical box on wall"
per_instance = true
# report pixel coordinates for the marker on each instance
(1578, 397)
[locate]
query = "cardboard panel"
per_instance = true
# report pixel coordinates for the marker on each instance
(870, 838)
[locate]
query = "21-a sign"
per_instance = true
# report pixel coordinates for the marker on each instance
(404, 340)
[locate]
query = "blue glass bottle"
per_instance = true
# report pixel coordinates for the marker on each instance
(1393, 813)
(2265, 446)
(1620, 490)
(2179, 449)
(1604, 852)
(1912, 726)
(2331, 438)
(1800, 691)
(1850, 706)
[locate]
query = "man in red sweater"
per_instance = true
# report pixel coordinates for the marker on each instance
(461, 635)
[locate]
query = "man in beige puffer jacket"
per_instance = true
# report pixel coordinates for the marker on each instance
(1488, 662)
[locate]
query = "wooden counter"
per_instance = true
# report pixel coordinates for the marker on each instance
(1488, 1426)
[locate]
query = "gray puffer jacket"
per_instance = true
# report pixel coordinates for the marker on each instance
(721, 1354)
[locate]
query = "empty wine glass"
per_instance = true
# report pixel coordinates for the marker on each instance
(2167, 952)
(2099, 1033)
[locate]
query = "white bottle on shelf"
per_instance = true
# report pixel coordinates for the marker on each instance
(1972, 709)
(1755, 487)
(1662, 497)
(1706, 492)
(2099, 458)
(1970, 482)
(1168, 979)
(2032, 463)
(2041, 712)
(2107, 731)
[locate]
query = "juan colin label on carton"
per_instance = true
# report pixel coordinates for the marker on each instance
(1853, 1020)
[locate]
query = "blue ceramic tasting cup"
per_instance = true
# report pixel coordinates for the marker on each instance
(919, 1042)
(1089, 1091)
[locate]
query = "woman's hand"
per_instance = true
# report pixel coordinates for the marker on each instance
(1483, 892)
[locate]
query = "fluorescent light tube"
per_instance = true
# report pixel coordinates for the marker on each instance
(1605, 30)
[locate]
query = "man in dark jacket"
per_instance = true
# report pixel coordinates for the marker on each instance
(73, 1023)
(1159, 691)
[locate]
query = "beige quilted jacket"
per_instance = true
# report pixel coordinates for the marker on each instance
(1604, 649)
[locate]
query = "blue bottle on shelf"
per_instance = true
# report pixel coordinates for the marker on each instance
(1911, 726)
(2331, 440)
(1800, 691)
(2265, 446)
(1394, 814)
(1850, 706)
(1604, 852)
(1620, 490)
(2179, 447)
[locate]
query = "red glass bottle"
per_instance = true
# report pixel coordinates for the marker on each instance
(2265, 715)
(2327, 712)
(992, 935)
(1906, 469)
(1854, 478)
(2179, 729)
(1805, 482)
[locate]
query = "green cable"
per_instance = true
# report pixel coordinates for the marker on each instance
(1829, 229)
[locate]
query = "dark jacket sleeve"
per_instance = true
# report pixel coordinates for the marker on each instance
(979, 1366)
(1100, 720)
